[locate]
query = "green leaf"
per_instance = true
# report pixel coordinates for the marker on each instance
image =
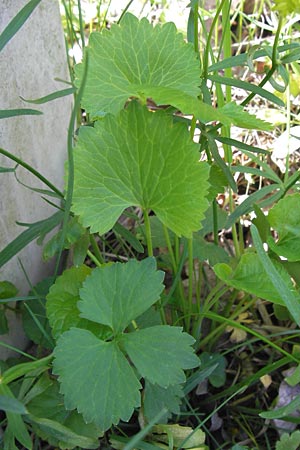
(161, 343)
(7, 169)
(16, 23)
(7, 290)
(156, 398)
(217, 181)
(243, 119)
(283, 411)
(16, 427)
(62, 300)
(256, 198)
(129, 237)
(12, 405)
(74, 232)
(279, 280)
(251, 276)
(289, 441)
(284, 217)
(6, 113)
(66, 437)
(52, 96)
(182, 437)
(117, 294)
(95, 378)
(248, 87)
(208, 251)
(21, 369)
(35, 322)
(34, 231)
(218, 377)
(132, 56)
(208, 222)
(118, 164)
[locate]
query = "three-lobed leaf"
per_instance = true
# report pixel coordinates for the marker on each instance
(139, 158)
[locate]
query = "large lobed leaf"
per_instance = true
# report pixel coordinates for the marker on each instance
(115, 295)
(143, 159)
(133, 57)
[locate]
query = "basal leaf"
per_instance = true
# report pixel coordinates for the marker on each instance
(62, 300)
(143, 159)
(284, 217)
(95, 378)
(168, 346)
(250, 276)
(117, 294)
(134, 56)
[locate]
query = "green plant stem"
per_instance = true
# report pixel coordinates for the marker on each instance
(96, 249)
(209, 38)
(94, 259)
(81, 25)
(233, 228)
(148, 233)
(191, 272)
(170, 249)
(215, 222)
(70, 186)
(196, 29)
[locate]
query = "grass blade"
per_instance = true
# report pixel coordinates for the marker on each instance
(239, 144)
(5, 113)
(247, 87)
(33, 232)
(16, 23)
(52, 96)
(246, 206)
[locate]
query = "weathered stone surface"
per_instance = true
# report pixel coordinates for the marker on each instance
(29, 64)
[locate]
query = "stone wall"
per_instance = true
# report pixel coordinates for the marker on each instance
(29, 64)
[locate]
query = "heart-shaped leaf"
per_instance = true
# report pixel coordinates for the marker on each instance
(115, 295)
(143, 159)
